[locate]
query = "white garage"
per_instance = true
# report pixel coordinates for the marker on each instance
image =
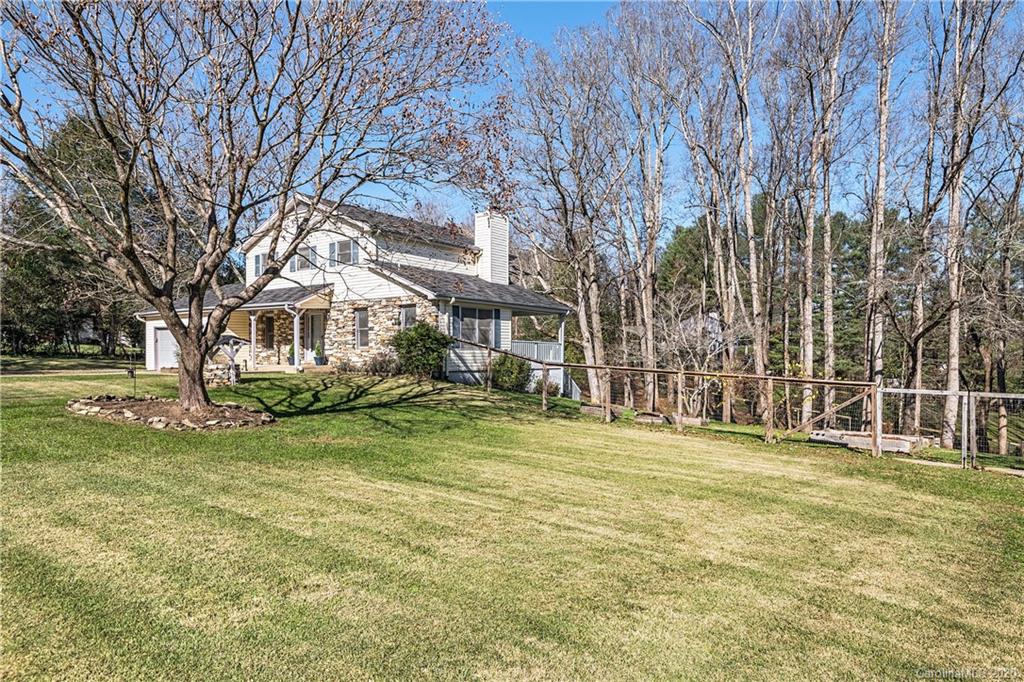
(166, 348)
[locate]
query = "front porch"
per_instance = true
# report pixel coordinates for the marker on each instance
(287, 339)
(285, 330)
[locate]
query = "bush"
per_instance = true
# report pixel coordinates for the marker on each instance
(383, 364)
(553, 387)
(421, 349)
(344, 366)
(510, 373)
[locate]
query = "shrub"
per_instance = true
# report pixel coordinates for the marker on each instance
(421, 349)
(553, 387)
(344, 366)
(510, 373)
(383, 364)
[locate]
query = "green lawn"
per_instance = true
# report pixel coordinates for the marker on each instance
(391, 530)
(89, 360)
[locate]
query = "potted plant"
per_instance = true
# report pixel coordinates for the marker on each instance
(291, 354)
(318, 354)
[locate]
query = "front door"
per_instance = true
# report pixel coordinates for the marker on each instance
(314, 333)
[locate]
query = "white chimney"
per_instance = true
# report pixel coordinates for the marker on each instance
(491, 237)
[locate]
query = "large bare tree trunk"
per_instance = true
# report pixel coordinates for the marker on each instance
(191, 385)
(954, 239)
(828, 322)
(807, 290)
(786, 307)
(876, 250)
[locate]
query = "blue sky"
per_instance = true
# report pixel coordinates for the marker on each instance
(538, 21)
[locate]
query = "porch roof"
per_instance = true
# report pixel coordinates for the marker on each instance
(268, 299)
(443, 285)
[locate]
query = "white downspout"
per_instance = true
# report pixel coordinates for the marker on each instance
(252, 340)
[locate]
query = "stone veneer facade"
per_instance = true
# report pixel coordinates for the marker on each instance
(340, 334)
(276, 352)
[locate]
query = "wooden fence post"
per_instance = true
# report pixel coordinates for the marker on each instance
(769, 416)
(680, 383)
(607, 395)
(544, 387)
(964, 428)
(972, 403)
(876, 421)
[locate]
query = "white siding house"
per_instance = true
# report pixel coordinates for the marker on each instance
(362, 275)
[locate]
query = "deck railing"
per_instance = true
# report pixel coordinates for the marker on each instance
(541, 351)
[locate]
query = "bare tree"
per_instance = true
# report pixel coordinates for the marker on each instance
(979, 78)
(222, 111)
(741, 35)
(569, 171)
(885, 47)
(646, 77)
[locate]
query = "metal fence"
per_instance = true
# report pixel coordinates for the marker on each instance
(985, 427)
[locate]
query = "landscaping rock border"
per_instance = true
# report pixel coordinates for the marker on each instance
(166, 414)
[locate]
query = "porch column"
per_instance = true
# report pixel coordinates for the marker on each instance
(252, 341)
(296, 344)
(561, 338)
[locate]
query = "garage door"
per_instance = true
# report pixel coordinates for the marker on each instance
(166, 349)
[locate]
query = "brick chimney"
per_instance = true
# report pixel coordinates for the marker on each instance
(491, 237)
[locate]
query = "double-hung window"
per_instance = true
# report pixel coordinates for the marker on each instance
(479, 325)
(362, 328)
(260, 262)
(343, 251)
(406, 316)
(304, 259)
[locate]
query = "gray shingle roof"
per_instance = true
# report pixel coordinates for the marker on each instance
(442, 284)
(266, 298)
(396, 226)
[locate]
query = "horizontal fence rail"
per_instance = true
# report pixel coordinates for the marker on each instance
(789, 403)
(988, 425)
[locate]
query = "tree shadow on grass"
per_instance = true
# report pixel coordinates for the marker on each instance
(398, 404)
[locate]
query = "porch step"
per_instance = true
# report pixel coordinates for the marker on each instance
(307, 368)
(260, 369)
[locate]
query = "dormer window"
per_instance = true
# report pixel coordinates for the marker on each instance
(343, 251)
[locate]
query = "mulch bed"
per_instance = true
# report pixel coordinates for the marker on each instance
(164, 413)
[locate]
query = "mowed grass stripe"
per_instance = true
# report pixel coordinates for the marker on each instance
(386, 530)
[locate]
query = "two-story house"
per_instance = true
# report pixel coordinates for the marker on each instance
(362, 276)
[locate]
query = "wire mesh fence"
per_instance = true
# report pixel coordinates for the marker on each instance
(985, 428)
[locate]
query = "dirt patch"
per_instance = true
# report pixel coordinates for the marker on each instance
(164, 413)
